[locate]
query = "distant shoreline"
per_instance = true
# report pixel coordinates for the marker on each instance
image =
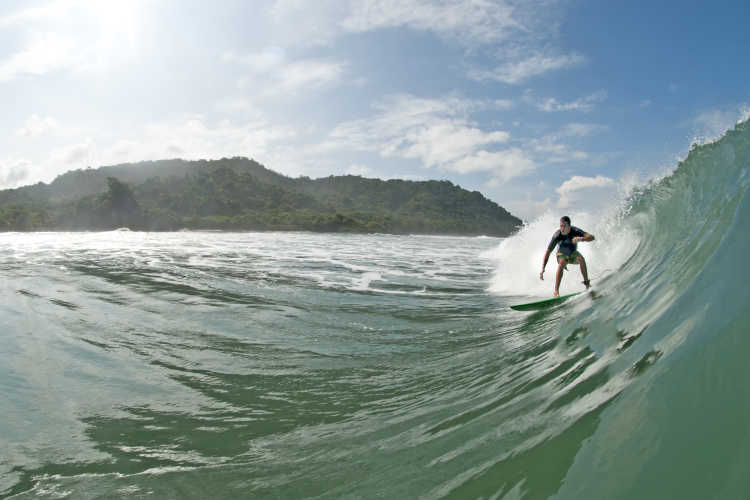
(245, 231)
(239, 194)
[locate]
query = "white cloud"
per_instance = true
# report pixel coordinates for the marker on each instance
(503, 104)
(579, 182)
(193, 138)
(307, 23)
(711, 125)
(554, 152)
(270, 72)
(571, 189)
(361, 170)
(445, 142)
(122, 149)
(436, 132)
(519, 71)
(551, 104)
(522, 34)
(13, 172)
(321, 22)
(233, 105)
(37, 126)
(309, 74)
(75, 155)
(189, 137)
(49, 53)
(551, 148)
(474, 21)
(504, 165)
(581, 129)
(72, 35)
(268, 59)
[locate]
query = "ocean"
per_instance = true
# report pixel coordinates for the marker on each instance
(300, 365)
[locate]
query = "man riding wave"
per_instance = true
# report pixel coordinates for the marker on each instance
(567, 238)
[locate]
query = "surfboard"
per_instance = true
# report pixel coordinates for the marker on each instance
(542, 304)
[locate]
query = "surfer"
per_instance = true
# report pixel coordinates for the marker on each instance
(567, 238)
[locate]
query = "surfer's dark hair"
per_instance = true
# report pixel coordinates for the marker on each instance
(565, 219)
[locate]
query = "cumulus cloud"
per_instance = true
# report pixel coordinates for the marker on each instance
(437, 133)
(504, 165)
(36, 126)
(578, 185)
(75, 155)
(13, 172)
(446, 142)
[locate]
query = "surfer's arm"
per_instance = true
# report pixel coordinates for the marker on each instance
(544, 264)
(585, 237)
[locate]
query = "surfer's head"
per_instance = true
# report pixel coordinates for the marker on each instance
(564, 224)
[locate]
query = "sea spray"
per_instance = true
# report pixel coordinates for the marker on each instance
(519, 257)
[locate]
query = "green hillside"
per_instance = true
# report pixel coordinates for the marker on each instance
(241, 194)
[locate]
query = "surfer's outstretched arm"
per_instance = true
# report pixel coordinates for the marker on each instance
(544, 264)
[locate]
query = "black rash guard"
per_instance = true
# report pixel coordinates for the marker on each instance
(567, 246)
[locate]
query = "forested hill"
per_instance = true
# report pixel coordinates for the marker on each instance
(241, 194)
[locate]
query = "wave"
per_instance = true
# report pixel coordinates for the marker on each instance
(668, 321)
(285, 365)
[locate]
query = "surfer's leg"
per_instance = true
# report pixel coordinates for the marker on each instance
(558, 277)
(584, 271)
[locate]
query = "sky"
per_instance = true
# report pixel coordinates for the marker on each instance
(541, 105)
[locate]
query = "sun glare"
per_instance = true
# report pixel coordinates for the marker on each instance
(106, 32)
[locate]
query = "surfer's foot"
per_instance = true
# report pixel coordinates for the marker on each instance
(587, 283)
(556, 294)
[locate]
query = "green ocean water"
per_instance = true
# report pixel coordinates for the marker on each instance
(294, 365)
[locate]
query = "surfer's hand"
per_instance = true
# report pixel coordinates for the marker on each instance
(541, 276)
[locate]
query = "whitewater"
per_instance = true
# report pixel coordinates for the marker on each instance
(300, 365)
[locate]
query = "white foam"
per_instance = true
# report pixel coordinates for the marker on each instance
(519, 258)
(363, 282)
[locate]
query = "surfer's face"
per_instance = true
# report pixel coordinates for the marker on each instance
(564, 227)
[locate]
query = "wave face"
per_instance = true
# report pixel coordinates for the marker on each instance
(681, 428)
(282, 365)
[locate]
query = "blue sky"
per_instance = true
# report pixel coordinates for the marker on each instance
(541, 105)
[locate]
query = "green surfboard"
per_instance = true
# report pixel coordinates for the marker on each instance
(543, 304)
